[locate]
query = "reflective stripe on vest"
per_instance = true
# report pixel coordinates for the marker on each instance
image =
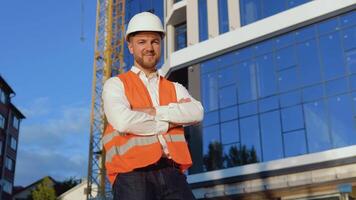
(135, 141)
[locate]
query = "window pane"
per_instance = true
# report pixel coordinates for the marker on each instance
(294, 143)
(316, 122)
(180, 36)
(210, 91)
(328, 26)
(292, 118)
(285, 57)
(223, 16)
(271, 136)
(228, 113)
(351, 60)
(349, 37)
(248, 109)
(230, 132)
(246, 81)
(264, 47)
(209, 66)
(269, 103)
(288, 79)
(284, 40)
(244, 54)
(305, 33)
(266, 78)
(250, 135)
(227, 76)
(228, 96)
(342, 121)
(211, 118)
(291, 98)
(313, 93)
(336, 87)
(294, 3)
(331, 54)
(203, 20)
(211, 134)
(271, 7)
(348, 19)
(250, 11)
(309, 62)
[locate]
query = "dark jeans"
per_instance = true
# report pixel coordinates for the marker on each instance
(164, 183)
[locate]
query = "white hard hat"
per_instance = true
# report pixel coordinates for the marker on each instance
(144, 21)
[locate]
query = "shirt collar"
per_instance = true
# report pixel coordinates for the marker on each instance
(138, 71)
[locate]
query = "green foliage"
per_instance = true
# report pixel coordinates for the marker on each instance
(44, 191)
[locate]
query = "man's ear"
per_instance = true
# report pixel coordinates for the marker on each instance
(129, 46)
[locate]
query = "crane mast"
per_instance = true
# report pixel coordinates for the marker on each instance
(108, 62)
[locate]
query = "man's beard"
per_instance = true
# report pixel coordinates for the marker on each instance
(146, 65)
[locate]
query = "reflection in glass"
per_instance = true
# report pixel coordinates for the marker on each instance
(290, 98)
(294, 143)
(337, 86)
(248, 109)
(271, 136)
(227, 96)
(316, 122)
(349, 37)
(211, 134)
(228, 113)
(351, 60)
(309, 65)
(210, 91)
(250, 134)
(246, 81)
(313, 93)
(332, 57)
(230, 132)
(292, 118)
(266, 78)
(342, 121)
(288, 79)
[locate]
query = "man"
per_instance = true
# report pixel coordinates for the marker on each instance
(146, 152)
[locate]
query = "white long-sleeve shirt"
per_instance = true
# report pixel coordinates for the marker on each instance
(119, 114)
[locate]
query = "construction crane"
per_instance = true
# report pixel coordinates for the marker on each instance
(108, 62)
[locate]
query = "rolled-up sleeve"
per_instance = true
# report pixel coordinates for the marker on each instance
(119, 114)
(181, 113)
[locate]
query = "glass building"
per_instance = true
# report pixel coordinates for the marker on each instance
(277, 80)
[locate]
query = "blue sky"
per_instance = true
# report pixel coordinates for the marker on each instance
(50, 69)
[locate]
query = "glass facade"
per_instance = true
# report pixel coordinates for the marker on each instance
(254, 10)
(286, 96)
(136, 6)
(203, 20)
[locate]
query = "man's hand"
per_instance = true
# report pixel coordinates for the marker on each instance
(150, 111)
(184, 100)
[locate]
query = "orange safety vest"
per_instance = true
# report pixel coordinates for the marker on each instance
(127, 151)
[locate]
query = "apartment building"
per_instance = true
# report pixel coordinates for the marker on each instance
(10, 119)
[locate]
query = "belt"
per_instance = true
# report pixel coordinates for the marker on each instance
(160, 164)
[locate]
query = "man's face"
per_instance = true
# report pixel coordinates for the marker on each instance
(146, 49)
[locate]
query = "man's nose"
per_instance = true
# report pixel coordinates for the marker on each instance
(149, 47)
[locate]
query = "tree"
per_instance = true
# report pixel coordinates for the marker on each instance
(66, 185)
(215, 157)
(44, 191)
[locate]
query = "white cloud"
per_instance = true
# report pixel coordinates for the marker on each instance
(57, 145)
